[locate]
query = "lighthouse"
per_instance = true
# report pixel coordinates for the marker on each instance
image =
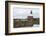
(30, 19)
(31, 16)
(31, 12)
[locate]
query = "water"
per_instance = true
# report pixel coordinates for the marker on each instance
(36, 25)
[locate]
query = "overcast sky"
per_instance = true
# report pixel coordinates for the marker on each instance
(22, 13)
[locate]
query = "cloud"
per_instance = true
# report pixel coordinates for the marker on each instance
(24, 12)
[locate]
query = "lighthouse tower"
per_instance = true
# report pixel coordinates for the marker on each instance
(31, 16)
(31, 13)
(30, 19)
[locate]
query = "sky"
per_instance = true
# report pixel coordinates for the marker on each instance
(22, 13)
